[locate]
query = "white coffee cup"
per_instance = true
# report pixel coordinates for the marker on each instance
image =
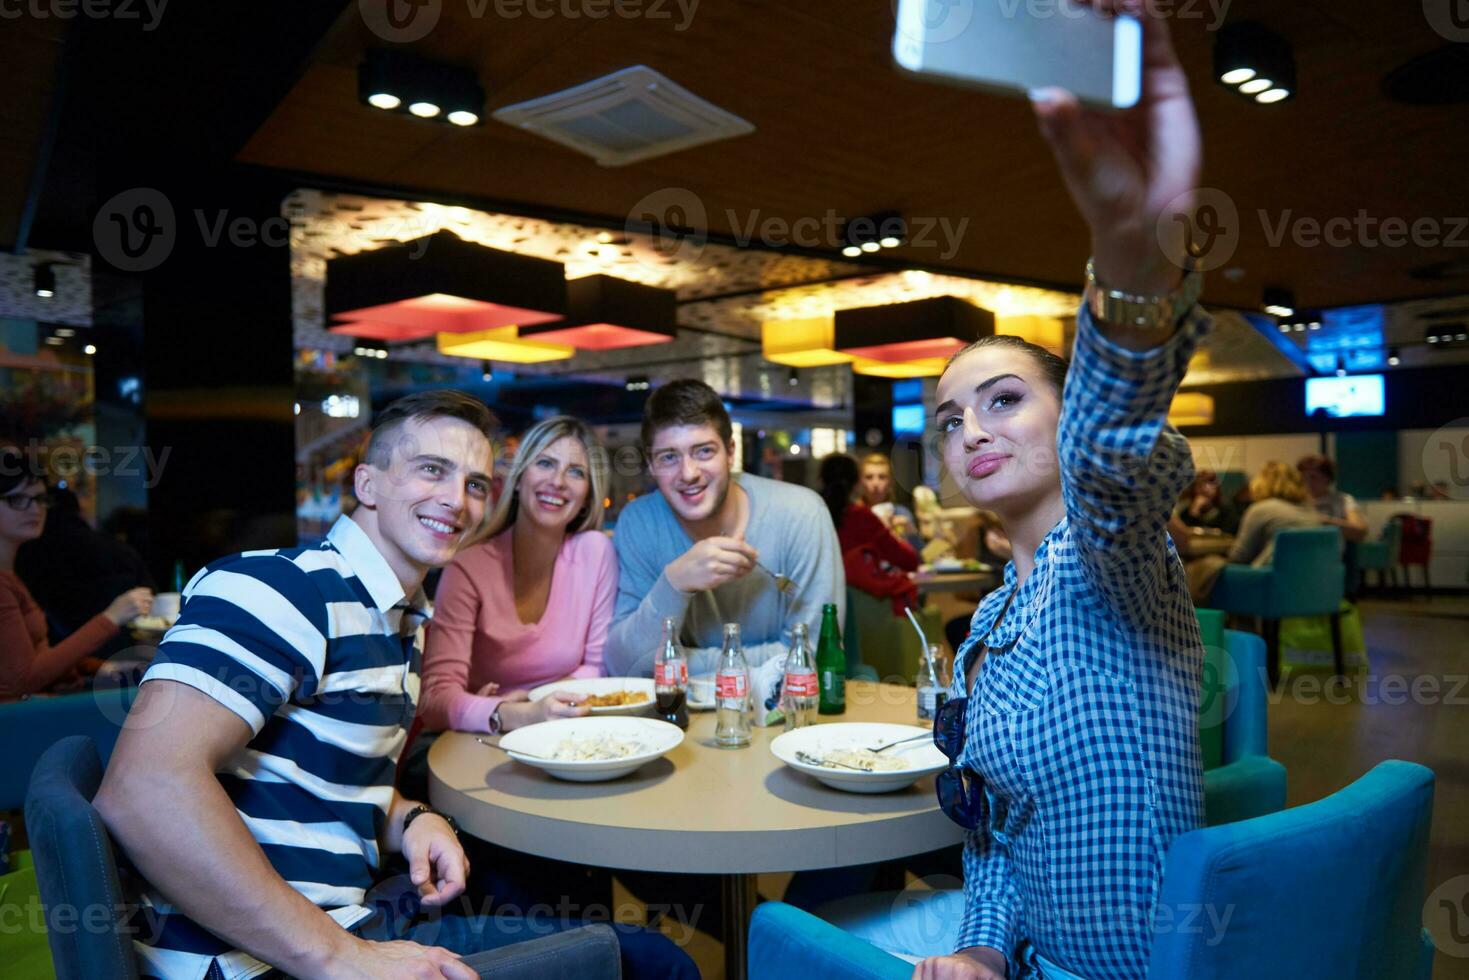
(701, 688)
(166, 606)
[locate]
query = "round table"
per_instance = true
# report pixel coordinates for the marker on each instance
(731, 812)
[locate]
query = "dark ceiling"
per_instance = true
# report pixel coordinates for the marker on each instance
(272, 85)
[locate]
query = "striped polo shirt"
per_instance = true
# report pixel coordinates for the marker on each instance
(316, 649)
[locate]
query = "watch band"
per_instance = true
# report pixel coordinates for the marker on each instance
(421, 809)
(1125, 309)
(496, 726)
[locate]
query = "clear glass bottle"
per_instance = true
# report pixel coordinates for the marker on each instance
(732, 693)
(931, 691)
(671, 677)
(799, 688)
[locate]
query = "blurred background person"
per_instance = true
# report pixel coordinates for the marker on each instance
(1280, 502)
(28, 662)
(877, 492)
(1336, 508)
(75, 571)
(1202, 504)
(875, 560)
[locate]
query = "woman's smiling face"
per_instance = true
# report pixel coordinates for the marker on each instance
(997, 418)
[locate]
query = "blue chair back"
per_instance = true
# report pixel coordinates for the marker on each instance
(1248, 783)
(1309, 575)
(1331, 889)
(31, 726)
(75, 867)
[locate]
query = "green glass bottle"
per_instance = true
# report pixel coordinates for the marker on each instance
(831, 665)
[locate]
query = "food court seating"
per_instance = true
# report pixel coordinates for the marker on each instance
(1330, 889)
(1380, 556)
(78, 880)
(30, 726)
(1306, 578)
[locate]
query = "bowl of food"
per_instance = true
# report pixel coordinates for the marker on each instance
(590, 750)
(842, 755)
(606, 695)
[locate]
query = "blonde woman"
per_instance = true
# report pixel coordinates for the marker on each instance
(1281, 502)
(532, 602)
(875, 489)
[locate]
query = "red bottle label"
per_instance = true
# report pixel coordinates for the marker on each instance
(668, 674)
(802, 685)
(731, 685)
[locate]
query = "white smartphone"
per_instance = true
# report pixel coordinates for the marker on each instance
(1014, 46)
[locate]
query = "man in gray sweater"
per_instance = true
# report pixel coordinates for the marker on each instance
(705, 548)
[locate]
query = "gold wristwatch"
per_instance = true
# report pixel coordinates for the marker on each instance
(1141, 312)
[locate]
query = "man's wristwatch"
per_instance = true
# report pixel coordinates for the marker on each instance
(421, 809)
(1123, 309)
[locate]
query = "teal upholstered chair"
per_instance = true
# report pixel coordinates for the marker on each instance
(1247, 782)
(882, 646)
(1331, 889)
(1381, 556)
(31, 726)
(1306, 578)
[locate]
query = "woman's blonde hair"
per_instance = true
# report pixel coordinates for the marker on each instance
(1278, 480)
(879, 459)
(535, 441)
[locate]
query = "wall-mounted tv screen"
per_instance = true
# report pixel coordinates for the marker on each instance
(1354, 395)
(908, 420)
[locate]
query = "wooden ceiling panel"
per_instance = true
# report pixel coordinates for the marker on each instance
(838, 128)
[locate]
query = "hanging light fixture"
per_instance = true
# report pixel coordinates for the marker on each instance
(401, 82)
(607, 313)
(440, 284)
(44, 280)
(924, 330)
(1278, 302)
(801, 343)
(501, 344)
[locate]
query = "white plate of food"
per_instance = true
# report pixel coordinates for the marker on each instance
(840, 755)
(590, 750)
(606, 695)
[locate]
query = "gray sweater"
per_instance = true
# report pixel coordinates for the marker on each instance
(1257, 529)
(791, 529)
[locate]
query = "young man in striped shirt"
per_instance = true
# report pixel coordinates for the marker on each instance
(252, 786)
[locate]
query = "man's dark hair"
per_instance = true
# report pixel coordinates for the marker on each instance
(839, 474)
(420, 407)
(1316, 461)
(684, 402)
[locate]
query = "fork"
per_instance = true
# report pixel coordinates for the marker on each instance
(784, 584)
(901, 741)
(532, 755)
(812, 760)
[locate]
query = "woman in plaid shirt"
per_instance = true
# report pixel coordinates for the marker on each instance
(1076, 742)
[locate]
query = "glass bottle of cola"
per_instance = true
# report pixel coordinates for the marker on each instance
(732, 693)
(799, 688)
(671, 678)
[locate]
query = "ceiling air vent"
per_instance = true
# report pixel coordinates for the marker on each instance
(630, 115)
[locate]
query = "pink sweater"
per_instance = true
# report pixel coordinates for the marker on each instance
(476, 637)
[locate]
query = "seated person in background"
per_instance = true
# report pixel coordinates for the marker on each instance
(1335, 507)
(271, 722)
(690, 549)
(532, 603)
(993, 545)
(874, 560)
(28, 663)
(74, 570)
(876, 491)
(1203, 505)
(1279, 502)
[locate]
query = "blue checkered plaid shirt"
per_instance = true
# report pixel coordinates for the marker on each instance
(1084, 717)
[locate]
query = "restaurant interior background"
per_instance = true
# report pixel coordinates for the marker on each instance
(175, 192)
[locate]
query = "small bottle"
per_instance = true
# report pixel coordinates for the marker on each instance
(799, 688)
(178, 576)
(732, 693)
(931, 691)
(671, 678)
(831, 664)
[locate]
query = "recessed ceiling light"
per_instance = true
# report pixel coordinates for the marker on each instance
(462, 117)
(384, 100)
(1255, 86)
(90, 349)
(890, 242)
(870, 246)
(424, 110)
(1237, 76)
(1272, 96)
(852, 251)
